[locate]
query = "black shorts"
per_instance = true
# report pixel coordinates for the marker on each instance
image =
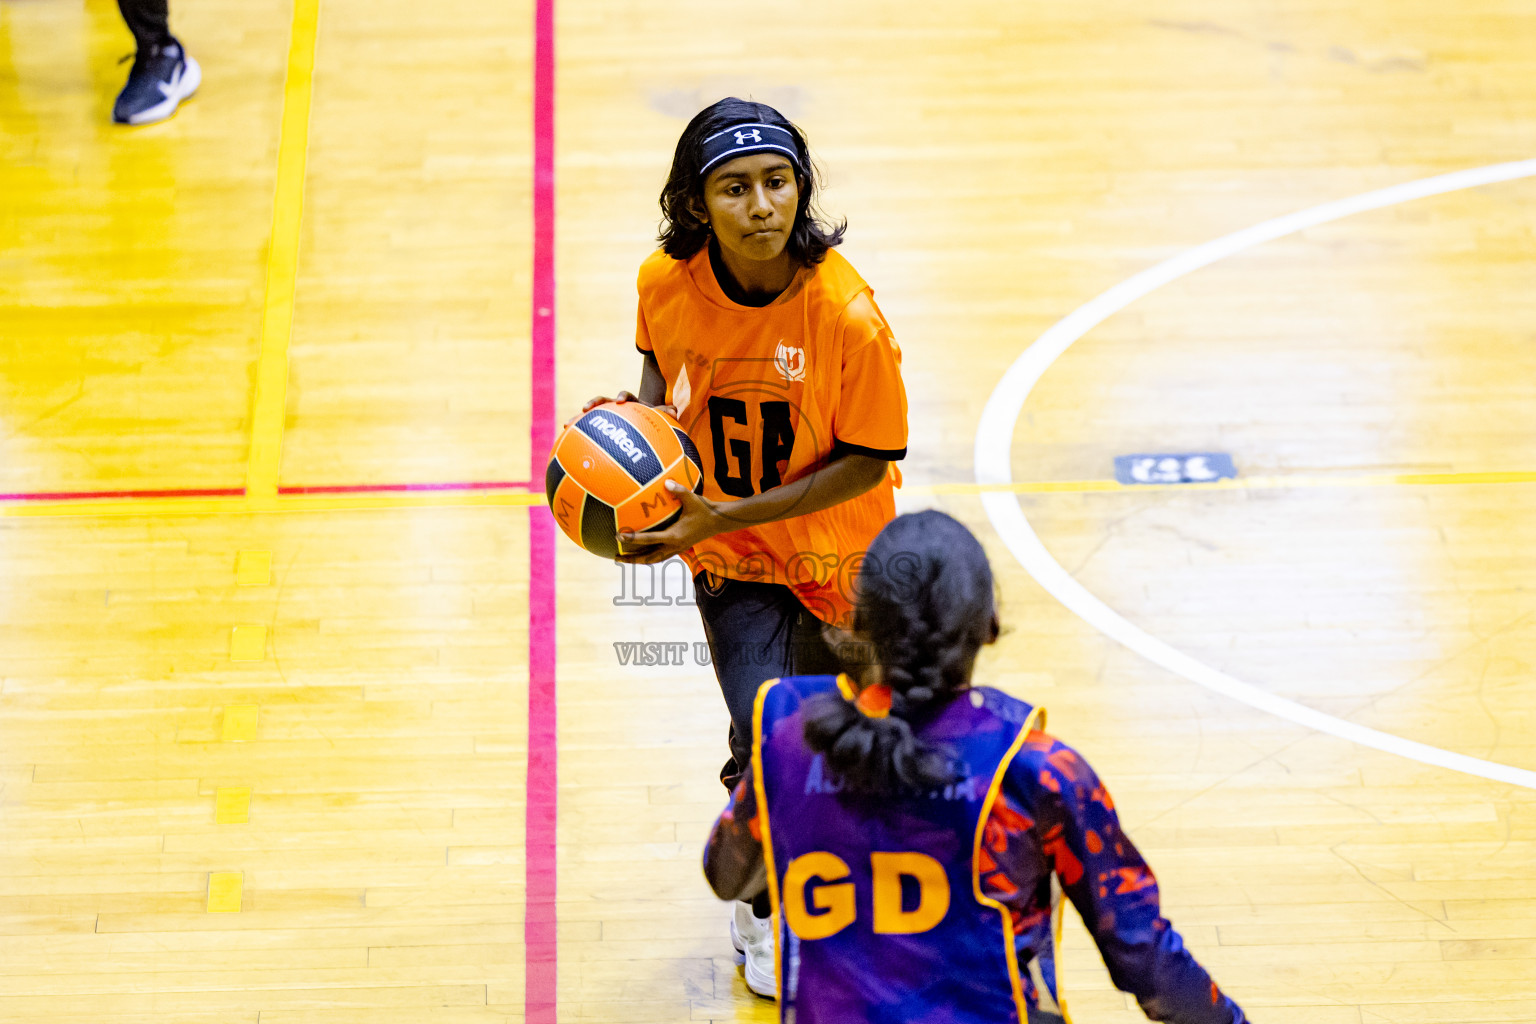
(756, 632)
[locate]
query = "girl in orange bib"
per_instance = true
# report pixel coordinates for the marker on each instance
(769, 348)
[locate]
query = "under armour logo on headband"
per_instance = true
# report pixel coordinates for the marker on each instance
(745, 139)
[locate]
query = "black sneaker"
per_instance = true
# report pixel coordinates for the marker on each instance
(161, 78)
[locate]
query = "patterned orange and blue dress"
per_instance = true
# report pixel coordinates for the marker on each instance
(1050, 816)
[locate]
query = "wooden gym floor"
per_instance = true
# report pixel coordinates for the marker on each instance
(300, 790)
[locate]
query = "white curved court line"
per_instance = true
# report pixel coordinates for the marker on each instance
(994, 465)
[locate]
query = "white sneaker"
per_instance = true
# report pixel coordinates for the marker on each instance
(753, 938)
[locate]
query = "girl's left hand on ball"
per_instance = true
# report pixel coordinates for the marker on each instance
(699, 521)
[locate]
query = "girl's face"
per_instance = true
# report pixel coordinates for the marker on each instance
(750, 202)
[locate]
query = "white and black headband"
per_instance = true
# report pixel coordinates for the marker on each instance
(746, 139)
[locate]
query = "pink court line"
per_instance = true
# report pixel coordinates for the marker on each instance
(540, 962)
(191, 492)
(239, 492)
(468, 485)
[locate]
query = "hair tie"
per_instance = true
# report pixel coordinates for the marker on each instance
(748, 138)
(874, 701)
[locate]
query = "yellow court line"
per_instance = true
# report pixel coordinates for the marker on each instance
(1250, 483)
(253, 568)
(239, 725)
(233, 506)
(270, 406)
(505, 499)
(523, 499)
(237, 506)
(225, 892)
(1411, 479)
(232, 805)
(248, 643)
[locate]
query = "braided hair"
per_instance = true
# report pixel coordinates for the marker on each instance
(925, 606)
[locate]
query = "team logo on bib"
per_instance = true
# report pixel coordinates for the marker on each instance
(790, 362)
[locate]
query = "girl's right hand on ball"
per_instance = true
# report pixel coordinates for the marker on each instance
(623, 396)
(593, 403)
(620, 399)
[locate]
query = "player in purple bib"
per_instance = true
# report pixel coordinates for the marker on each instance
(915, 832)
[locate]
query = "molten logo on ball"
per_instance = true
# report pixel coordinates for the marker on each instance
(616, 434)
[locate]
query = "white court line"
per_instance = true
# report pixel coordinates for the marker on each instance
(994, 466)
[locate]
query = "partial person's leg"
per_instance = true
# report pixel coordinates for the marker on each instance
(149, 21)
(163, 72)
(810, 654)
(749, 627)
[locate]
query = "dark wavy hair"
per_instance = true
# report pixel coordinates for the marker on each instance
(926, 607)
(683, 234)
